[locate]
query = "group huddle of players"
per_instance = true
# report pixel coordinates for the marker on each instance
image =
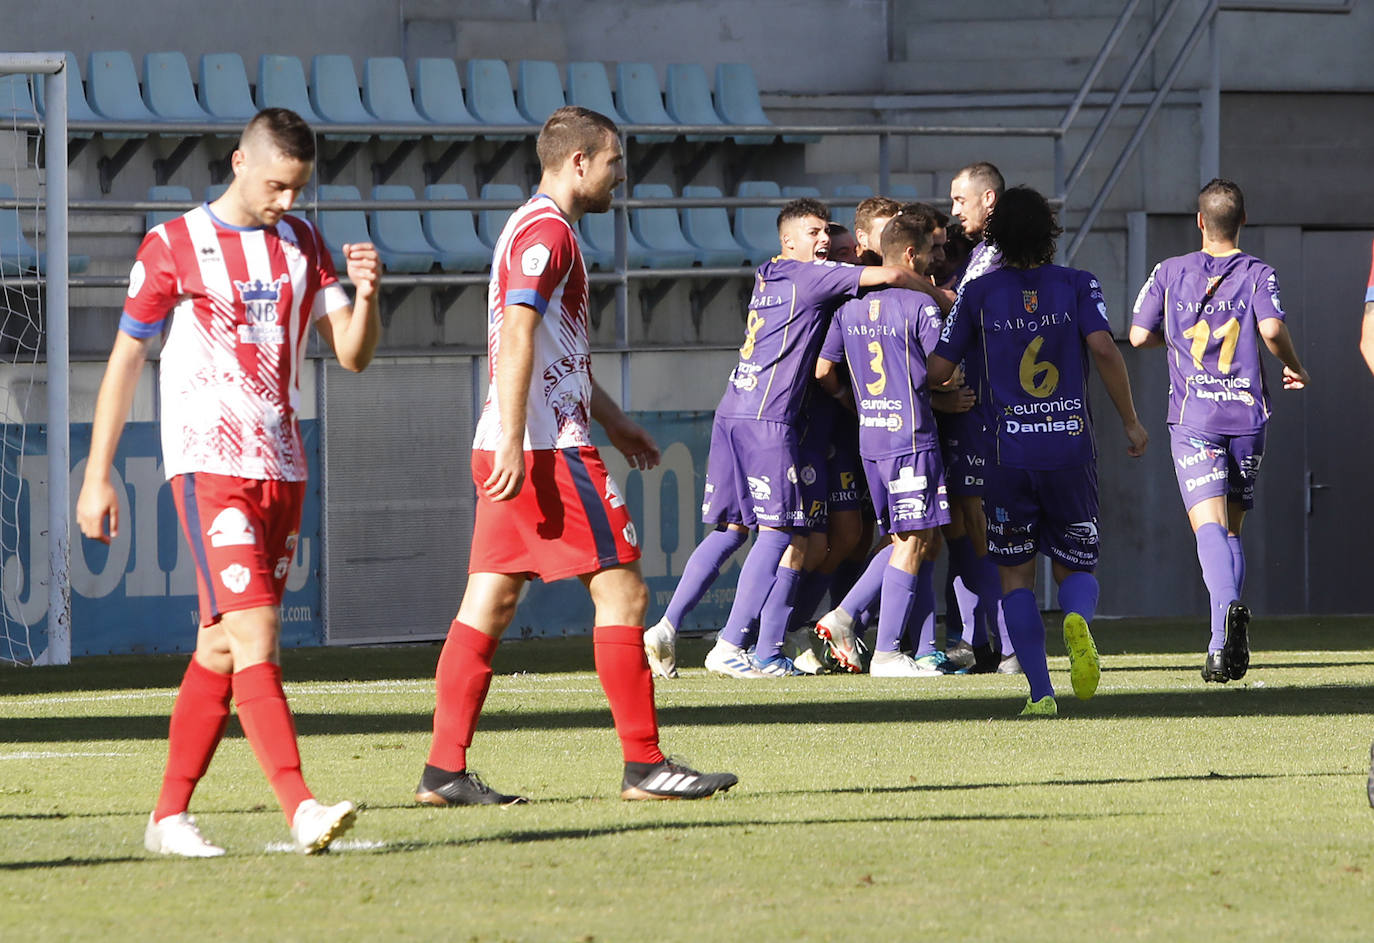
(955, 388)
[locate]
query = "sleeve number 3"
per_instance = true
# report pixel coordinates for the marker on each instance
(1228, 334)
(1039, 378)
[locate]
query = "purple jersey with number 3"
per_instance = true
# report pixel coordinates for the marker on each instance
(887, 335)
(1025, 329)
(1208, 307)
(789, 312)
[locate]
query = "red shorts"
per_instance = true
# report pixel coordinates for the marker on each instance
(568, 519)
(242, 533)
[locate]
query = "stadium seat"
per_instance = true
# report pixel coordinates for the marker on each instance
(490, 96)
(214, 191)
(334, 90)
(386, 91)
(593, 257)
(453, 233)
(77, 107)
(17, 255)
(341, 227)
(660, 231)
(854, 193)
(168, 90)
(756, 227)
(589, 87)
(491, 222)
(439, 93)
(172, 194)
(903, 192)
(281, 84)
(598, 235)
(112, 87)
(16, 98)
(640, 99)
(796, 193)
(737, 100)
(687, 99)
(539, 90)
(708, 228)
(397, 233)
(224, 87)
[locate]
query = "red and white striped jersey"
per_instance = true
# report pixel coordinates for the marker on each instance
(538, 263)
(241, 302)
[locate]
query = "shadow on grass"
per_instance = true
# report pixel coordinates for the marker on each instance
(1233, 701)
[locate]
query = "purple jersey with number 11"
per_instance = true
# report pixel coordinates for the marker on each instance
(1025, 328)
(1208, 308)
(887, 335)
(789, 312)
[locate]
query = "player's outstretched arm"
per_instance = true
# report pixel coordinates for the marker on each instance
(939, 371)
(629, 437)
(353, 330)
(1145, 338)
(1112, 368)
(1367, 336)
(97, 500)
(1280, 344)
(891, 276)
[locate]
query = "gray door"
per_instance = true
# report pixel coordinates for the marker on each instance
(1339, 411)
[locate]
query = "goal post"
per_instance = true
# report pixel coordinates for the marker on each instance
(50, 68)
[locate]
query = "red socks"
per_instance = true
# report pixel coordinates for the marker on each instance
(267, 724)
(623, 671)
(461, 683)
(199, 717)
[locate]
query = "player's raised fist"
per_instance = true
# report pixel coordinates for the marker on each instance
(1295, 379)
(364, 266)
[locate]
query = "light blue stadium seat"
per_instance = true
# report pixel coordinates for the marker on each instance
(386, 91)
(452, 233)
(214, 191)
(687, 98)
(854, 193)
(660, 230)
(598, 235)
(756, 227)
(639, 98)
(592, 257)
(168, 89)
(491, 222)
(737, 100)
(397, 233)
(341, 227)
(708, 228)
(796, 193)
(334, 90)
(170, 193)
(281, 84)
(439, 93)
(17, 254)
(77, 107)
(224, 87)
(16, 98)
(491, 99)
(112, 87)
(589, 87)
(539, 90)
(903, 192)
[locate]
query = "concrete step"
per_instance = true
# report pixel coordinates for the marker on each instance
(981, 10)
(1032, 38)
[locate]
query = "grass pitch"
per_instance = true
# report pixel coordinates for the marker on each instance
(867, 809)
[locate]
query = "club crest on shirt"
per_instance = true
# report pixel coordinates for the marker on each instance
(873, 307)
(260, 299)
(1030, 300)
(1212, 284)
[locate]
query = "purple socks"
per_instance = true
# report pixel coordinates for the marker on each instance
(1027, 631)
(1237, 562)
(755, 582)
(702, 568)
(777, 613)
(1218, 572)
(866, 589)
(1078, 593)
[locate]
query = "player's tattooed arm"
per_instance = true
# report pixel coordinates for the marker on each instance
(1280, 344)
(1367, 336)
(629, 437)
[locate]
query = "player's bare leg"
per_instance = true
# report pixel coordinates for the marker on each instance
(1216, 524)
(462, 680)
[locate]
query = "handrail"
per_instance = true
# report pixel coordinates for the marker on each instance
(1095, 70)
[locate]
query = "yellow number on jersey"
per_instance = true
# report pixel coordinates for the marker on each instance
(1228, 334)
(1039, 378)
(876, 387)
(753, 325)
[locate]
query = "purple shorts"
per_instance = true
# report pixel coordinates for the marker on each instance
(1212, 464)
(962, 443)
(752, 475)
(1051, 512)
(908, 491)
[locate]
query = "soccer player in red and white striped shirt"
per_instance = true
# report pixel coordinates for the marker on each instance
(546, 505)
(235, 284)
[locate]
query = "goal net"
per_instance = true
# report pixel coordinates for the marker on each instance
(34, 455)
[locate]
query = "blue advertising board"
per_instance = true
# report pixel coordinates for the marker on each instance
(139, 593)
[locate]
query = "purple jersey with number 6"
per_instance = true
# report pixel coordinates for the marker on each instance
(789, 312)
(1208, 308)
(887, 335)
(1025, 329)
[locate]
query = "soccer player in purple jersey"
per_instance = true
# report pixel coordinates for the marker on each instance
(752, 479)
(1030, 326)
(886, 336)
(870, 217)
(1212, 308)
(843, 246)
